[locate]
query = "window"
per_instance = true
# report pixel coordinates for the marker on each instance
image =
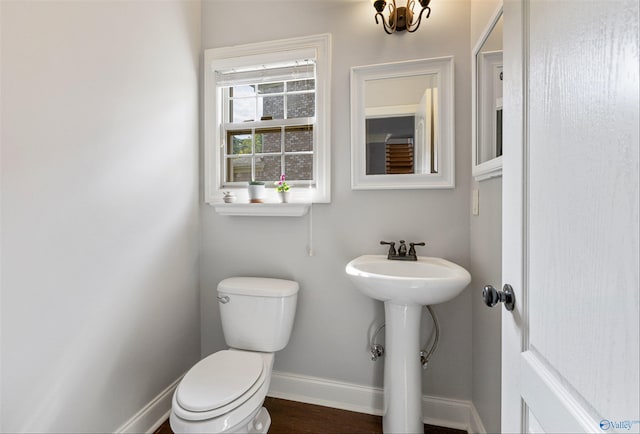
(268, 126)
(266, 113)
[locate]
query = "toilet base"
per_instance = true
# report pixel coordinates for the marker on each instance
(258, 422)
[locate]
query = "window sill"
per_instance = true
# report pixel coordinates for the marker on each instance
(262, 209)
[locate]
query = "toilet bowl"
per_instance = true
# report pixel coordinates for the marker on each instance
(224, 392)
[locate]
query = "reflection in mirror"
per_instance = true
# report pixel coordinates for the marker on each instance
(487, 65)
(402, 125)
(399, 115)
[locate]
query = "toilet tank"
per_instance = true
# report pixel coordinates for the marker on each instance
(257, 313)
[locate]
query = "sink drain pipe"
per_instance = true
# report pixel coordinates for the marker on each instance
(377, 350)
(424, 354)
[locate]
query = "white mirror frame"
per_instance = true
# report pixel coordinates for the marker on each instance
(442, 68)
(491, 168)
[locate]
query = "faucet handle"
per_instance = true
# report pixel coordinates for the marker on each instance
(412, 249)
(392, 247)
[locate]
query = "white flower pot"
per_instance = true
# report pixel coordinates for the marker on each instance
(284, 196)
(257, 193)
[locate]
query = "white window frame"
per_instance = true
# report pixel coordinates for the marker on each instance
(317, 47)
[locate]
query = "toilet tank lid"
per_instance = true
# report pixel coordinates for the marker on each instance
(258, 286)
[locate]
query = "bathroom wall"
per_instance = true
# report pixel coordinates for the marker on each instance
(99, 154)
(333, 319)
(486, 268)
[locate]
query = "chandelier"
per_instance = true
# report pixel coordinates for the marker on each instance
(401, 18)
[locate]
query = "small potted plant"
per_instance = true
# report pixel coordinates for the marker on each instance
(257, 191)
(283, 189)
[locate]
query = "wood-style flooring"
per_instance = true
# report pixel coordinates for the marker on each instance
(296, 417)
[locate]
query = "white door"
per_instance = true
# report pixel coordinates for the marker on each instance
(570, 216)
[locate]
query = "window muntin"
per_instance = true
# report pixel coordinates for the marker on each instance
(270, 101)
(263, 154)
(280, 138)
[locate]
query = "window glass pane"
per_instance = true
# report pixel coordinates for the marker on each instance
(268, 140)
(242, 109)
(301, 105)
(298, 138)
(243, 90)
(271, 106)
(239, 142)
(301, 85)
(271, 88)
(239, 169)
(268, 168)
(298, 167)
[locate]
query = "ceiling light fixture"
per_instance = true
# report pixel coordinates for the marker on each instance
(400, 18)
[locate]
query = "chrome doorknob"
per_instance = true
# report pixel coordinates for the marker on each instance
(492, 296)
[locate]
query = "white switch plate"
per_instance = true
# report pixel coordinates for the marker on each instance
(475, 202)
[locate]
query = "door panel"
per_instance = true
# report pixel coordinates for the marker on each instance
(571, 168)
(551, 401)
(583, 197)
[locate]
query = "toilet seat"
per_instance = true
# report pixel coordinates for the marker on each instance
(220, 383)
(218, 380)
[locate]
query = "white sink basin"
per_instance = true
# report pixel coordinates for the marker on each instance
(426, 281)
(405, 286)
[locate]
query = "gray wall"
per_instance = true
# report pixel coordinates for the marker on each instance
(486, 268)
(333, 318)
(486, 256)
(99, 209)
(100, 308)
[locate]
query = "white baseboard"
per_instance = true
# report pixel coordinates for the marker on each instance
(152, 415)
(450, 413)
(328, 393)
(475, 424)
(446, 412)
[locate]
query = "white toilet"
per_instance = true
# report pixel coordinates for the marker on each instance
(225, 391)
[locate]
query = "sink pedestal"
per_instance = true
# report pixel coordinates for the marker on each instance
(405, 286)
(402, 370)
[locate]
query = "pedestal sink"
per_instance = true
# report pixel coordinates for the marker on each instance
(404, 287)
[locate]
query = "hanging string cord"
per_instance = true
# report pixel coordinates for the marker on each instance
(310, 249)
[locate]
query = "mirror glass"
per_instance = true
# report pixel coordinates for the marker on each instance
(399, 115)
(401, 125)
(487, 103)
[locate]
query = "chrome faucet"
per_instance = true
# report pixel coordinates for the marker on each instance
(401, 254)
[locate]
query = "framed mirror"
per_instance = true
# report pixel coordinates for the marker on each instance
(402, 125)
(487, 101)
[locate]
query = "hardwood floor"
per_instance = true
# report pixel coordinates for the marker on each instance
(296, 417)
